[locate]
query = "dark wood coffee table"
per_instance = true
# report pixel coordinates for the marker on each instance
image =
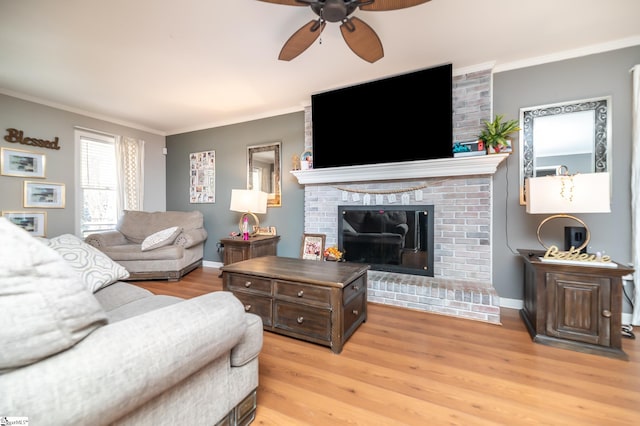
(316, 301)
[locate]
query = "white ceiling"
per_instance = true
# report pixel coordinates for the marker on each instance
(175, 66)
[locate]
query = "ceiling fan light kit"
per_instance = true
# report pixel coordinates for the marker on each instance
(359, 36)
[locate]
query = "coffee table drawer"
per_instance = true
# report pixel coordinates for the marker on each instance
(311, 322)
(258, 305)
(301, 293)
(239, 282)
(356, 287)
(354, 314)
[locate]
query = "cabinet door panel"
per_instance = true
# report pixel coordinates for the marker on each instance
(579, 308)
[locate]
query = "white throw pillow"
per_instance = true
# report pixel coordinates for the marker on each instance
(161, 238)
(96, 269)
(45, 306)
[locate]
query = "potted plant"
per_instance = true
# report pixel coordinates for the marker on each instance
(495, 134)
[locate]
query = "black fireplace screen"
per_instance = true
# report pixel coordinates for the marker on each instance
(393, 239)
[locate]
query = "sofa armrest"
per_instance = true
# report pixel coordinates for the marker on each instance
(106, 239)
(123, 365)
(191, 237)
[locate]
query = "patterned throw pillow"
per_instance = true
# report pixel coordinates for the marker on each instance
(161, 238)
(45, 306)
(96, 268)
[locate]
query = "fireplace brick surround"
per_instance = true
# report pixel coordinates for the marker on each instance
(461, 194)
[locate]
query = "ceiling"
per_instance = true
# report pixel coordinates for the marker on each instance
(174, 66)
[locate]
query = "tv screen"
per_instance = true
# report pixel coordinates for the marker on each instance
(402, 118)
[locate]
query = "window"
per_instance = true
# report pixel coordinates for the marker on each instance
(97, 190)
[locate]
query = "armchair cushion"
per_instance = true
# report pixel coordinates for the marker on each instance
(161, 238)
(95, 268)
(46, 308)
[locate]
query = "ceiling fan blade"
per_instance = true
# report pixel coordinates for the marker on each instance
(361, 38)
(301, 40)
(286, 2)
(380, 5)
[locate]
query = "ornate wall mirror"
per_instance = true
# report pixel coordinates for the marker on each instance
(569, 137)
(263, 171)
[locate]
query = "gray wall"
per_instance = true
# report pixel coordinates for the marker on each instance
(43, 122)
(230, 144)
(605, 74)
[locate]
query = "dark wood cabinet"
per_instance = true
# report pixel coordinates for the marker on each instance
(574, 306)
(237, 249)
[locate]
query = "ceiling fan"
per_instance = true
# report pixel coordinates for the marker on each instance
(359, 36)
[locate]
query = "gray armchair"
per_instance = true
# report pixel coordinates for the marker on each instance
(155, 245)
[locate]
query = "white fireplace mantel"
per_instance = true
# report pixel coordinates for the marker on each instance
(443, 167)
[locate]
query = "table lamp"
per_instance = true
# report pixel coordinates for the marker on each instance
(249, 202)
(561, 195)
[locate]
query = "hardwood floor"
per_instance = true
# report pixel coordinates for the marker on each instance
(403, 367)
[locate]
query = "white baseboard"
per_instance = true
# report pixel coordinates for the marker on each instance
(210, 264)
(511, 303)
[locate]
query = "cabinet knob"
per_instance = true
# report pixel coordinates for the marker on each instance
(247, 284)
(356, 288)
(606, 313)
(300, 320)
(247, 308)
(355, 312)
(300, 293)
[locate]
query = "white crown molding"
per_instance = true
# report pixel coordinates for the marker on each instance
(442, 167)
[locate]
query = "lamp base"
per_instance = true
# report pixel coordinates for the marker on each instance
(587, 236)
(255, 227)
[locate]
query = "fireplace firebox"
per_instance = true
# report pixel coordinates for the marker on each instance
(392, 239)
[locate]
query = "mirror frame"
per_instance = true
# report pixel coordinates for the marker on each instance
(274, 199)
(601, 137)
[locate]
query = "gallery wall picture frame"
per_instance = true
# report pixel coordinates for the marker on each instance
(44, 195)
(202, 179)
(313, 246)
(35, 223)
(20, 163)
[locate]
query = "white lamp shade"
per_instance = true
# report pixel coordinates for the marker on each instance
(580, 193)
(247, 200)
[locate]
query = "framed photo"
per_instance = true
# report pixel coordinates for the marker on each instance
(34, 223)
(264, 230)
(41, 194)
(15, 162)
(312, 246)
(202, 167)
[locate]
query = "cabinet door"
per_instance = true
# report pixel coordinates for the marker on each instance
(579, 308)
(233, 254)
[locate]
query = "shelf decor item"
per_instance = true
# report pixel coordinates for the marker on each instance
(333, 254)
(495, 134)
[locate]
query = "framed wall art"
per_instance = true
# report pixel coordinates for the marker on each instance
(202, 167)
(35, 223)
(44, 195)
(16, 162)
(312, 246)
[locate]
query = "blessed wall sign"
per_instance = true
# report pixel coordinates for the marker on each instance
(17, 136)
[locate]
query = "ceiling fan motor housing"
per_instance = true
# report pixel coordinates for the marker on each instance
(334, 10)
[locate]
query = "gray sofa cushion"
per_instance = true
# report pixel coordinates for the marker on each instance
(45, 306)
(138, 225)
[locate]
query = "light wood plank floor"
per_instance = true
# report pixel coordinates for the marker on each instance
(403, 367)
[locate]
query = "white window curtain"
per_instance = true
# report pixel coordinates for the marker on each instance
(635, 192)
(130, 171)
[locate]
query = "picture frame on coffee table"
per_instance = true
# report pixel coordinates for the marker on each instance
(313, 246)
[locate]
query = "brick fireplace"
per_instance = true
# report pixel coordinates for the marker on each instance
(460, 189)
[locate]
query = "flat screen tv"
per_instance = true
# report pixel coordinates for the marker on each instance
(402, 118)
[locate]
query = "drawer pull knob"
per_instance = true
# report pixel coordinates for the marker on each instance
(356, 288)
(300, 293)
(247, 284)
(355, 312)
(606, 313)
(247, 308)
(300, 320)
